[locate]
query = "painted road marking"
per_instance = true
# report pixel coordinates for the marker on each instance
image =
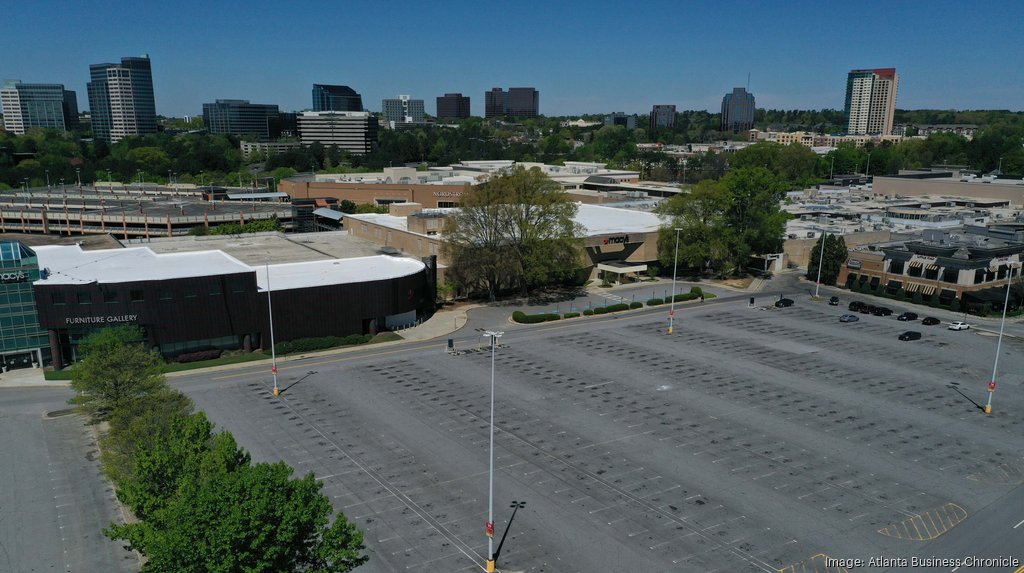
(927, 525)
(1019, 524)
(816, 564)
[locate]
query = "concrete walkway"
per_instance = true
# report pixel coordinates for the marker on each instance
(27, 377)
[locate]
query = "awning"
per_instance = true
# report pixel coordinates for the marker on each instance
(621, 268)
(928, 290)
(912, 287)
(329, 213)
(915, 264)
(932, 267)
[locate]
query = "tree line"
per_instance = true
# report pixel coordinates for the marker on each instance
(215, 159)
(200, 503)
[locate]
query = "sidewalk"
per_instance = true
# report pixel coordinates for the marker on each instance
(445, 321)
(27, 377)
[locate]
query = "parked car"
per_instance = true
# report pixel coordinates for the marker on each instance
(856, 305)
(911, 335)
(958, 325)
(784, 302)
(834, 301)
(849, 318)
(930, 320)
(867, 309)
(907, 316)
(882, 311)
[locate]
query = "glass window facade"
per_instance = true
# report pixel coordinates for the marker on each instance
(19, 326)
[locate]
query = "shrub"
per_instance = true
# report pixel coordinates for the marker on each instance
(320, 343)
(655, 302)
(570, 315)
(588, 312)
(552, 316)
(617, 307)
(199, 355)
(523, 318)
(697, 291)
(636, 304)
(601, 310)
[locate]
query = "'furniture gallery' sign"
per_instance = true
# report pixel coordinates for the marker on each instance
(102, 319)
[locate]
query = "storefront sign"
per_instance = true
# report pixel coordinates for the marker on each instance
(13, 277)
(853, 264)
(924, 259)
(620, 240)
(1009, 261)
(448, 193)
(102, 319)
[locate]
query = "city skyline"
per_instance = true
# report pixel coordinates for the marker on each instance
(688, 61)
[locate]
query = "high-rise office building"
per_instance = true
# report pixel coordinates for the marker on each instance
(663, 116)
(516, 102)
(239, 117)
(354, 131)
(495, 103)
(403, 109)
(453, 105)
(37, 105)
(121, 99)
(871, 101)
(523, 102)
(619, 118)
(336, 98)
(738, 110)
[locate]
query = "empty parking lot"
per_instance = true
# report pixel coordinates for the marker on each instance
(748, 440)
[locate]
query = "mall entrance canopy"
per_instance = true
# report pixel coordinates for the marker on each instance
(621, 269)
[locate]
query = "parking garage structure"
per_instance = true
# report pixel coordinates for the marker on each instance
(187, 302)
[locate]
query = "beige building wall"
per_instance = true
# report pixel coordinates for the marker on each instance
(430, 196)
(798, 251)
(893, 186)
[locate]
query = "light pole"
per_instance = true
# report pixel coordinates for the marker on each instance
(821, 262)
(78, 174)
(493, 335)
(675, 266)
(999, 344)
(47, 178)
(868, 170)
(273, 351)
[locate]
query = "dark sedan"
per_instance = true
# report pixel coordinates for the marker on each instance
(930, 321)
(907, 316)
(910, 335)
(784, 302)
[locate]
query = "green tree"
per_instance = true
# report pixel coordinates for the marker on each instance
(516, 230)
(116, 369)
(253, 518)
(832, 263)
(704, 234)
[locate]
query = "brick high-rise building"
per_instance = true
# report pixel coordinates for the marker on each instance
(663, 116)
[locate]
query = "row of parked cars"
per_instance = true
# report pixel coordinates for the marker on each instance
(864, 308)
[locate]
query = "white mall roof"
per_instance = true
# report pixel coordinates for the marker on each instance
(69, 264)
(598, 220)
(339, 271)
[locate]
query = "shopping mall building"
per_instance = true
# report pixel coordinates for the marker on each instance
(57, 294)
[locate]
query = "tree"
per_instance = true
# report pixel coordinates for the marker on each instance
(116, 369)
(516, 230)
(724, 222)
(835, 256)
(253, 518)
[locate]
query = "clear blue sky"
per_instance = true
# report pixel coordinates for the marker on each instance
(584, 57)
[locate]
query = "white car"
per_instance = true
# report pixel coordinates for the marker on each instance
(959, 325)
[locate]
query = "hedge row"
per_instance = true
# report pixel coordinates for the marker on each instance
(198, 355)
(320, 343)
(523, 318)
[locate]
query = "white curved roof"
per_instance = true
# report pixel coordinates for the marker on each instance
(598, 220)
(332, 272)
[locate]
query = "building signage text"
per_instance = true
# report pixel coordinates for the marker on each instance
(853, 264)
(448, 193)
(101, 319)
(619, 240)
(13, 276)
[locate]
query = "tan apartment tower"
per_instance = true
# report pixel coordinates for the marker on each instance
(871, 101)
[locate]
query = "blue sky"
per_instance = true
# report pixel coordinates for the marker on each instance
(584, 57)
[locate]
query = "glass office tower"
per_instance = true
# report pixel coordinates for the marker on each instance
(23, 343)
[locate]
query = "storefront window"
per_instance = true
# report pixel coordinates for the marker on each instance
(84, 298)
